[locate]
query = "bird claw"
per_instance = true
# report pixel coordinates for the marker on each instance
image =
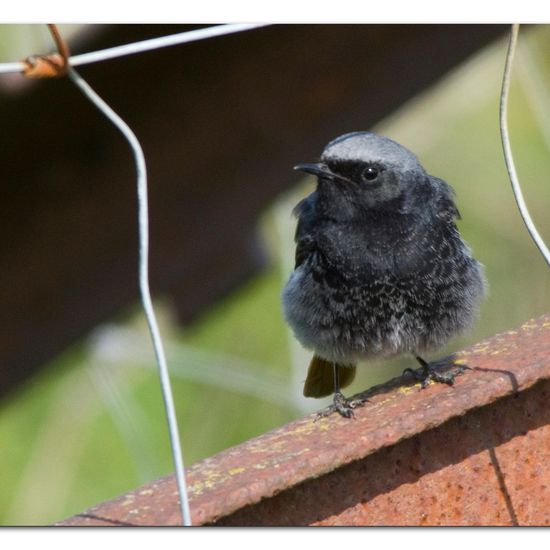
(428, 373)
(342, 406)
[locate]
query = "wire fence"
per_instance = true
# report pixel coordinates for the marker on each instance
(53, 65)
(62, 62)
(510, 165)
(142, 46)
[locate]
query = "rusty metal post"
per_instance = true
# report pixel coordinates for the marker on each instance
(477, 453)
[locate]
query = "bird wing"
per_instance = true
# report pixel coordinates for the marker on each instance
(445, 200)
(305, 242)
(305, 247)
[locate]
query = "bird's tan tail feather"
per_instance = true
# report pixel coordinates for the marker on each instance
(320, 377)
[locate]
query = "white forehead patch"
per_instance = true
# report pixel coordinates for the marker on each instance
(369, 147)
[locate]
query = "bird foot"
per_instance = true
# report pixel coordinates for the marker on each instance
(342, 406)
(429, 372)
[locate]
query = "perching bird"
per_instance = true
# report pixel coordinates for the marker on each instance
(381, 268)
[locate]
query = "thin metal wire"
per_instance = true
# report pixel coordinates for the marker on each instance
(62, 46)
(145, 45)
(516, 188)
(162, 42)
(143, 221)
(14, 67)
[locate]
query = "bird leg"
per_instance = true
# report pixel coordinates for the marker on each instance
(340, 404)
(427, 372)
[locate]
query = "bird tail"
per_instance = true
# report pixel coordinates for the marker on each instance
(320, 377)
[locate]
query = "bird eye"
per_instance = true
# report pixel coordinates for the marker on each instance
(369, 173)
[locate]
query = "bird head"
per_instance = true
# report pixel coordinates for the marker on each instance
(362, 172)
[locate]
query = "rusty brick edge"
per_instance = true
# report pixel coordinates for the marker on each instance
(304, 449)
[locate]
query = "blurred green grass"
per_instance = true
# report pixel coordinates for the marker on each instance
(89, 427)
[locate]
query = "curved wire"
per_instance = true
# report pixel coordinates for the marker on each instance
(516, 188)
(143, 221)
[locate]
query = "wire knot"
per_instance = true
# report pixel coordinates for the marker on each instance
(54, 65)
(45, 66)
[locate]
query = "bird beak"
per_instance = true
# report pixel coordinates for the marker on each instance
(317, 169)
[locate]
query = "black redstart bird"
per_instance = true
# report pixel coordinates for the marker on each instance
(381, 268)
